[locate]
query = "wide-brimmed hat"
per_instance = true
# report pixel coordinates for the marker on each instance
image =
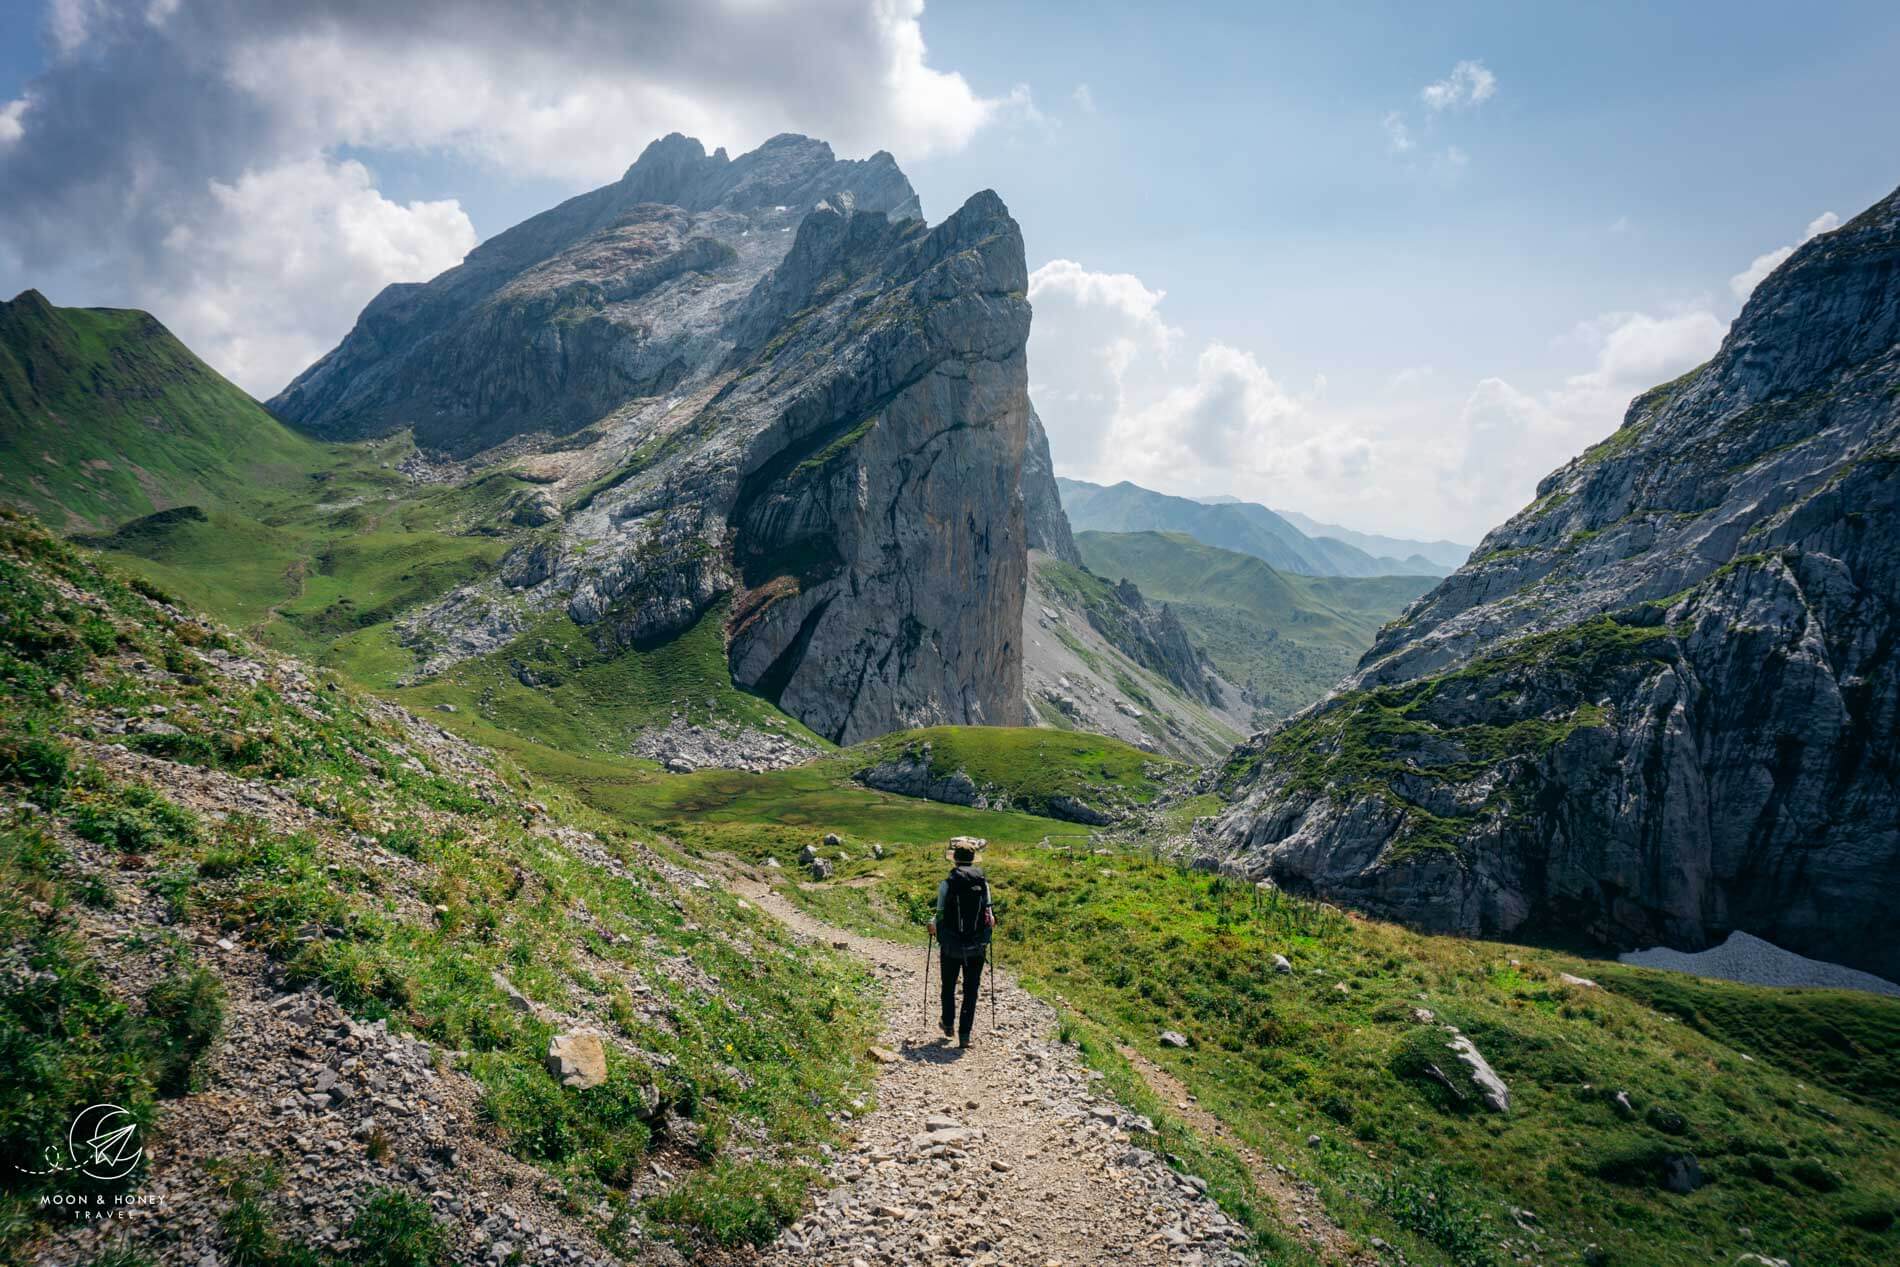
(964, 848)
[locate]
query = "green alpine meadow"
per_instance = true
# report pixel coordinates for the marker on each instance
(1223, 638)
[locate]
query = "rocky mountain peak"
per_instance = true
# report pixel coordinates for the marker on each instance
(613, 295)
(1646, 708)
(762, 381)
(1832, 304)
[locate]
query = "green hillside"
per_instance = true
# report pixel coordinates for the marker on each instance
(1289, 637)
(105, 416)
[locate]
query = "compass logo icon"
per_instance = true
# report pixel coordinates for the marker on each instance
(104, 1142)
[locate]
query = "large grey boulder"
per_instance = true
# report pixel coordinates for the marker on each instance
(1654, 706)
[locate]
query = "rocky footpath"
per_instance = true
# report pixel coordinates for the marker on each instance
(1655, 706)
(763, 380)
(1008, 1152)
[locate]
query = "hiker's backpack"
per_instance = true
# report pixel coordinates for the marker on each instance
(965, 898)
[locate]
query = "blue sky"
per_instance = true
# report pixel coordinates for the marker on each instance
(1267, 264)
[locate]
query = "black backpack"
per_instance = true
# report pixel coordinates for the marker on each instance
(964, 901)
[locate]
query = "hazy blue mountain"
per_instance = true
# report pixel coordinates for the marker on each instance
(1441, 556)
(1244, 527)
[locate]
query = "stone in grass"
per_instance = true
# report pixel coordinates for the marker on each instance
(1682, 1174)
(833, 840)
(808, 854)
(1173, 1038)
(883, 1055)
(1282, 964)
(820, 868)
(578, 1059)
(1491, 1088)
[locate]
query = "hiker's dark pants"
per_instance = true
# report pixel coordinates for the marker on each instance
(970, 967)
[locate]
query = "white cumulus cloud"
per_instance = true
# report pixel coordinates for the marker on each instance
(1123, 398)
(11, 115)
(314, 228)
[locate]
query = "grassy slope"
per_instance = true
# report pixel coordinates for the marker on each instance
(1794, 1140)
(764, 1059)
(1291, 636)
(105, 417)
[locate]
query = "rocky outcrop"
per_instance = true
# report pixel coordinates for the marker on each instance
(1091, 662)
(783, 393)
(913, 771)
(909, 774)
(1660, 703)
(1044, 520)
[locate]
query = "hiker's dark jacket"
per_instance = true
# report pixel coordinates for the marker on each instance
(963, 905)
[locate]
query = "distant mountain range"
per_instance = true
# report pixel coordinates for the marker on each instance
(1285, 638)
(1290, 543)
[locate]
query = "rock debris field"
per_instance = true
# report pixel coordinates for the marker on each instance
(1009, 1152)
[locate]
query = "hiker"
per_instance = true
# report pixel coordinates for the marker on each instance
(962, 929)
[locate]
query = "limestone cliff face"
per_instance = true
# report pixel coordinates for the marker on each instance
(1047, 523)
(761, 383)
(1662, 702)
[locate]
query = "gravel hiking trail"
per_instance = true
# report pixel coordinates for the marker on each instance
(1006, 1153)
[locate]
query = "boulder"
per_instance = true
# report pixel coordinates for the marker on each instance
(1682, 1174)
(578, 1059)
(1491, 1088)
(1173, 1038)
(821, 868)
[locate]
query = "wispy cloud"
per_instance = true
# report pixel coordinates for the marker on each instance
(1397, 134)
(1743, 283)
(1469, 84)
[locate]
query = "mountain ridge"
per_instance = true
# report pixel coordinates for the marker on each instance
(1285, 638)
(1656, 705)
(1244, 527)
(764, 393)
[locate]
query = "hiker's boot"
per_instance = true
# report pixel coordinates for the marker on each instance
(963, 1040)
(948, 1029)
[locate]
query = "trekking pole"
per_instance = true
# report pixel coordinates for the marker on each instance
(992, 982)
